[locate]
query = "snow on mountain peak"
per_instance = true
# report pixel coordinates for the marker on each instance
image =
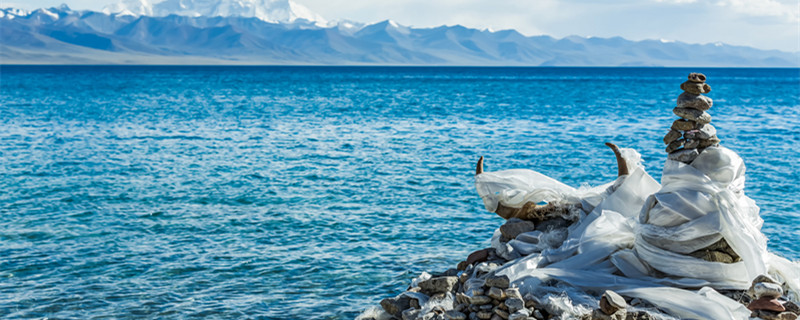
(276, 11)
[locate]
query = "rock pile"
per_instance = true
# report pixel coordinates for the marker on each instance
(768, 302)
(693, 132)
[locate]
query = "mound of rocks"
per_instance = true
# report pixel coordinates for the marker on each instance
(693, 132)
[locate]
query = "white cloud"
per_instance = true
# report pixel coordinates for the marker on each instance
(764, 8)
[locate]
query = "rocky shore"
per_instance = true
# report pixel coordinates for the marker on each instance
(690, 247)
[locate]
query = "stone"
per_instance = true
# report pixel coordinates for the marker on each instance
(497, 281)
(611, 302)
(513, 293)
(515, 304)
(598, 314)
(496, 317)
(396, 305)
(770, 315)
(671, 136)
(478, 256)
(496, 293)
(703, 132)
(502, 313)
(479, 300)
(768, 290)
(462, 298)
(439, 284)
(514, 227)
(414, 304)
(675, 145)
(768, 304)
(683, 125)
(713, 256)
(638, 315)
(538, 314)
(486, 307)
(485, 315)
(709, 142)
(454, 315)
(699, 116)
(462, 265)
(685, 155)
(473, 316)
(695, 87)
(410, 314)
(697, 77)
(691, 144)
(787, 316)
(792, 307)
(694, 101)
(521, 314)
(461, 307)
(475, 292)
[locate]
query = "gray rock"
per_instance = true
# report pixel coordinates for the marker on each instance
(611, 302)
(486, 307)
(521, 314)
(502, 313)
(496, 317)
(410, 314)
(439, 284)
(675, 145)
(479, 300)
(496, 293)
(699, 116)
(538, 314)
(513, 293)
(514, 227)
(473, 316)
(671, 136)
(485, 315)
(497, 281)
(703, 132)
(462, 298)
(683, 125)
(691, 144)
(598, 314)
(769, 290)
(791, 307)
(515, 304)
(697, 77)
(454, 315)
(694, 101)
(709, 142)
(461, 307)
(695, 87)
(685, 155)
(396, 305)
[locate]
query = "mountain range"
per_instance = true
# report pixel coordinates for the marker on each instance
(267, 32)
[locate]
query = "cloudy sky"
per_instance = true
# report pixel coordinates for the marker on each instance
(764, 24)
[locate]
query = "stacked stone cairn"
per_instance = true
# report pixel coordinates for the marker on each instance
(693, 132)
(768, 302)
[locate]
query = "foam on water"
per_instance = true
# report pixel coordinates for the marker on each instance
(306, 192)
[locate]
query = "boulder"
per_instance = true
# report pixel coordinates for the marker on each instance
(497, 281)
(514, 227)
(439, 284)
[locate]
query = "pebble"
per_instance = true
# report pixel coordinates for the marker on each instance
(514, 227)
(695, 87)
(513, 293)
(683, 125)
(611, 302)
(765, 303)
(767, 290)
(695, 115)
(675, 145)
(671, 136)
(515, 304)
(485, 315)
(496, 293)
(497, 281)
(521, 314)
(694, 101)
(454, 315)
(502, 313)
(479, 300)
(685, 155)
(439, 284)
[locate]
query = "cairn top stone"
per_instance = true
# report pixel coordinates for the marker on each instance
(695, 87)
(697, 77)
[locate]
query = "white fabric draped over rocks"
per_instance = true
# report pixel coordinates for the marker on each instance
(636, 235)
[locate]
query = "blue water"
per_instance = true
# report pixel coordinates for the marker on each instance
(314, 192)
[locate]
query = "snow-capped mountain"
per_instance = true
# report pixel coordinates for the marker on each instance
(275, 11)
(277, 32)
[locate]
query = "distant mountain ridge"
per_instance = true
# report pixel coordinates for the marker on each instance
(281, 32)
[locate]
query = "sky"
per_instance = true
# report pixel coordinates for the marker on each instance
(763, 24)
